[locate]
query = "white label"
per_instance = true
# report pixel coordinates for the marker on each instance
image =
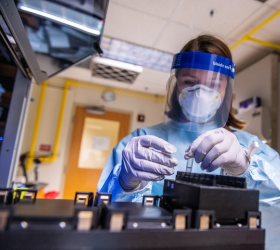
(101, 143)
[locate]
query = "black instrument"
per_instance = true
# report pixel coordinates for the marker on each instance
(189, 215)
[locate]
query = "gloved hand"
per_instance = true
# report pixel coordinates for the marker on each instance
(146, 158)
(219, 148)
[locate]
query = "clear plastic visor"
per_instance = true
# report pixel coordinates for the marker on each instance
(197, 99)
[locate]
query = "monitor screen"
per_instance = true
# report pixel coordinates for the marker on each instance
(8, 70)
(62, 33)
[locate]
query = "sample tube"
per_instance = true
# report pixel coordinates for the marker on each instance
(189, 165)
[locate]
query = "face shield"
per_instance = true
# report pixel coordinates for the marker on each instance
(199, 91)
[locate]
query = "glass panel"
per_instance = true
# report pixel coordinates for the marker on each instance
(98, 139)
(60, 33)
(8, 71)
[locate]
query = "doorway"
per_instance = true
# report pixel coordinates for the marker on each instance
(93, 138)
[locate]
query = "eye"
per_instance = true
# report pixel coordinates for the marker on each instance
(214, 85)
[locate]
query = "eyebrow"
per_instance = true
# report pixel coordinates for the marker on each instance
(195, 76)
(212, 79)
(188, 74)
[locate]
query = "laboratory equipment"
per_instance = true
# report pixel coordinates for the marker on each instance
(196, 211)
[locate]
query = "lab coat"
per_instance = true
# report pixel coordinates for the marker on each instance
(263, 173)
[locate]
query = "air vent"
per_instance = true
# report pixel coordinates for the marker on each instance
(113, 73)
(115, 70)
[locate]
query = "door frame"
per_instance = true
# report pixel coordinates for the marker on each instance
(76, 133)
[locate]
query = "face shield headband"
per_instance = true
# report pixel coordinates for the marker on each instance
(204, 61)
(199, 91)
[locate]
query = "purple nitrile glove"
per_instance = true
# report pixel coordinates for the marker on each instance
(219, 148)
(146, 158)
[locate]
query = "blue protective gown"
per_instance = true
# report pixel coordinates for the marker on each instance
(263, 173)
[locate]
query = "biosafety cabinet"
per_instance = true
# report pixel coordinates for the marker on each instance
(39, 38)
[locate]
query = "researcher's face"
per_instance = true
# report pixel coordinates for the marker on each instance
(190, 77)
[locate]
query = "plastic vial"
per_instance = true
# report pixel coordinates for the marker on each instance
(189, 165)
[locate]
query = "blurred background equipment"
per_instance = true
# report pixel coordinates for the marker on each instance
(38, 39)
(54, 34)
(257, 117)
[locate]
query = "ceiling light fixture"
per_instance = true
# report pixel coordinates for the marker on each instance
(95, 110)
(135, 54)
(118, 64)
(59, 19)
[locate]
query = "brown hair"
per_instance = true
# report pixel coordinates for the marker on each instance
(213, 45)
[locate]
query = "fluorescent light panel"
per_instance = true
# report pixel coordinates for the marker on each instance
(136, 54)
(58, 19)
(117, 64)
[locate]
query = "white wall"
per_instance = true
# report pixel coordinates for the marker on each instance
(255, 81)
(53, 173)
(262, 80)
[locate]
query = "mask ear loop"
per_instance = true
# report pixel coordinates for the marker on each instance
(218, 95)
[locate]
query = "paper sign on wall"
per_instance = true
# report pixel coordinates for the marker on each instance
(45, 147)
(101, 142)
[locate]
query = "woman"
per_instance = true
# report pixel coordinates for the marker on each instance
(198, 123)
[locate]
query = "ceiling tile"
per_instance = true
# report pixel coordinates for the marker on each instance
(152, 77)
(146, 23)
(110, 83)
(267, 36)
(248, 53)
(252, 21)
(273, 3)
(229, 41)
(76, 73)
(159, 8)
(270, 32)
(175, 36)
(150, 81)
(155, 90)
(133, 26)
(228, 14)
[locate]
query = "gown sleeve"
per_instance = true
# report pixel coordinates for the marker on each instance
(109, 180)
(264, 170)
